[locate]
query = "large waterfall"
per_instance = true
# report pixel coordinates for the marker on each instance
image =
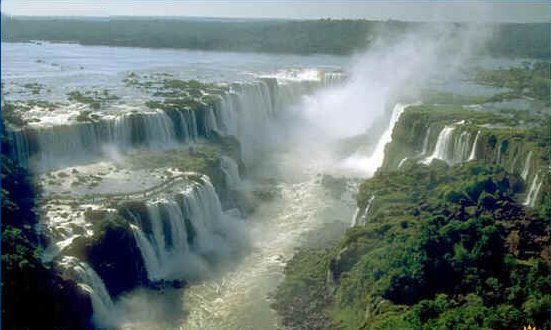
(182, 236)
(245, 112)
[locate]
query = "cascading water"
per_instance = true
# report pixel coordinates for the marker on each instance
(244, 112)
(526, 169)
(533, 192)
(231, 172)
(461, 147)
(369, 165)
(443, 145)
(182, 236)
(89, 281)
(360, 218)
(472, 155)
(426, 143)
(402, 162)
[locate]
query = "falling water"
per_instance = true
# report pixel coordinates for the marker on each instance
(425, 143)
(369, 165)
(443, 145)
(533, 192)
(360, 218)
(526, 168)
(89, 281)
(402, 162)
(181, 236)
(231, 172)
(245, 112)
(461, 147)
(472, 155)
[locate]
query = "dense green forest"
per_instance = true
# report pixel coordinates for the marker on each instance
(447, 248)
(323, 36)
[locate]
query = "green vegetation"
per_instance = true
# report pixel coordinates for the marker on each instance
(274, 36)
(170, 93)
(12, 110)
(94, 99)
(531, 80)
(445, 248)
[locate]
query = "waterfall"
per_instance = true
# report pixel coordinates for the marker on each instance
(533, 192)
(402, 162)
(426, 143)
(461, 147)
(498, 151)
(245, 112)
(181, 236)
(526, 168)
(159, 130)
(89, 281)
(231, 172)
(369, 165)
(360, 218)
(443, 145)
(472, 155)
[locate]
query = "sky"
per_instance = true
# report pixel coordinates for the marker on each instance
(413, 10)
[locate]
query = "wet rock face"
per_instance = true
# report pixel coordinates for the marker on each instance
(117, 260)
(113, 254)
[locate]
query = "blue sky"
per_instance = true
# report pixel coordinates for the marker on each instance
(425, 10)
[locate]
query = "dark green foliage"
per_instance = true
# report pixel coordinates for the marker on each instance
(443, 248)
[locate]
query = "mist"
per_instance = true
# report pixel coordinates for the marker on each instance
(393, 70)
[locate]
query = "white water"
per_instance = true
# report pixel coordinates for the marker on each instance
(526, 169)
(425, 143)
(533, 192)
(472, 155)
(88, 280)
(367, 165)
(402, 162)
(187, 233)
(246, 112)
(443, 145)
(360, 218)
(231, 172)
(461, 147)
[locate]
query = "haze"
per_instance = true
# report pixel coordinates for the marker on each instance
(494, 11)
